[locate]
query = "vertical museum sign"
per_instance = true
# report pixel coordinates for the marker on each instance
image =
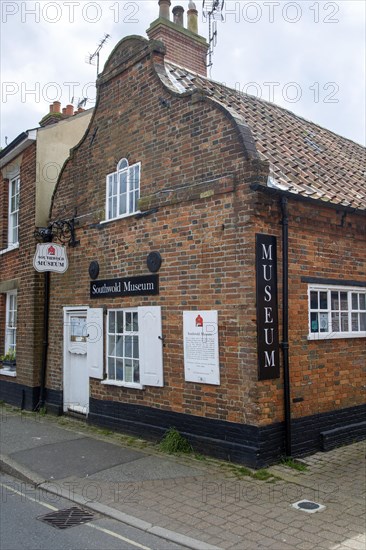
(267, 312)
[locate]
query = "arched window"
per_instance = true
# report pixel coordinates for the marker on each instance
(123, 190)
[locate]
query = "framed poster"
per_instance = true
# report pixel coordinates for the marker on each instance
(201, 347)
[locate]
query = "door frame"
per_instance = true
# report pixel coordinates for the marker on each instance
(66, 363)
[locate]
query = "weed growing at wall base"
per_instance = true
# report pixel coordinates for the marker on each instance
(174, 442)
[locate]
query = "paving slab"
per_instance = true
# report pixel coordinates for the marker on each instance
(23, 432)
(82, 456)
(144, 469)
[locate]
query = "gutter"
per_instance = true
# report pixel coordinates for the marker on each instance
(17, 146)
(285, 342)
(301, 198)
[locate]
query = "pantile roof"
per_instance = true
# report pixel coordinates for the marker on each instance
(305, 158)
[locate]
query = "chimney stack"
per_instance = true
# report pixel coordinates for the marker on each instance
(184, 47)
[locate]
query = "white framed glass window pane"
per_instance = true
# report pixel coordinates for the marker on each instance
(13, 220)
(123, 346)
(111, 322)
(11, 321)
(123, 183)
(111, 368)
(335, 322)
(123, 190)
(362, 322)
(123, 204)
(119, 346)
(344, 301)
(119, 369)
(337, 312)
(314, 302)
(354, 322)
(120, 322)
(131, 203)
(314, 324)
(323, 300)
(122, 164)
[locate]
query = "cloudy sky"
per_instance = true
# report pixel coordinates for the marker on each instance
(306, 55)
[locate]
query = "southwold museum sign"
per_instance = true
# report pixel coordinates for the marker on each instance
(129, 286)
(50, 257)
(267, 314)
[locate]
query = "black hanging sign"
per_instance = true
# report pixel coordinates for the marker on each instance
(129, 286)
(267, 313)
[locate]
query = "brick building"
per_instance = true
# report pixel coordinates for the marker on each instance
(29, 167)
(219, 284)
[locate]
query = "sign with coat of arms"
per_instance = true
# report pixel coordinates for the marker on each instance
(50, 257)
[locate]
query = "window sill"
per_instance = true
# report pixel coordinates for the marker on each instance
(336, 336)
(122, 384)
(10, 248)
(6, 372)
(104, 222)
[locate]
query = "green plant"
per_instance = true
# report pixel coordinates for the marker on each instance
(294, 464)
(9, 356)
(174, 442)
(263, 475)
(42, 411)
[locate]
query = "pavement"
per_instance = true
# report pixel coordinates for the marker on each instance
(198, 502)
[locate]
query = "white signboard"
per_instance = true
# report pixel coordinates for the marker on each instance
(50, 257)
(201, 347)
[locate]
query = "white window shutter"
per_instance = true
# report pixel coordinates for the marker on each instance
(151, 346)
(95, 342)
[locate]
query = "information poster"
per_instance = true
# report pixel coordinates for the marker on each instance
(201, 347)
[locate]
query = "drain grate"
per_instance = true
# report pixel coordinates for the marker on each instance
(70, 517)
(308, 506)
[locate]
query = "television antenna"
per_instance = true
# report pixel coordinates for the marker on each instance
(212, 10)
(93, 58)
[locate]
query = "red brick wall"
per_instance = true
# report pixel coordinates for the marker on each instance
(183, 49)
(326, 374)
(205, 230)
(18, 264)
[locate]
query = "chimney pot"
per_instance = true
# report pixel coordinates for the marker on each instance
(51, 108)
(64, 110)
(164, 9)
(178, 12)
(56, 106)
(69, 110)
(192, 18)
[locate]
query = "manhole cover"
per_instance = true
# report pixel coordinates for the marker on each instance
(308, 506)
(63, 519)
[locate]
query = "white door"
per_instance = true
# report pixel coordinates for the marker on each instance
(76, 375)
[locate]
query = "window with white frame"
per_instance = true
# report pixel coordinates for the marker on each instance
(336, 312)
(123, 363)
(13, 218)
(123, 190)
(11, 321)
(134, 350)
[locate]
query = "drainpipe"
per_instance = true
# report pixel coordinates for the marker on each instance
(42, 393)
(285, 343)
